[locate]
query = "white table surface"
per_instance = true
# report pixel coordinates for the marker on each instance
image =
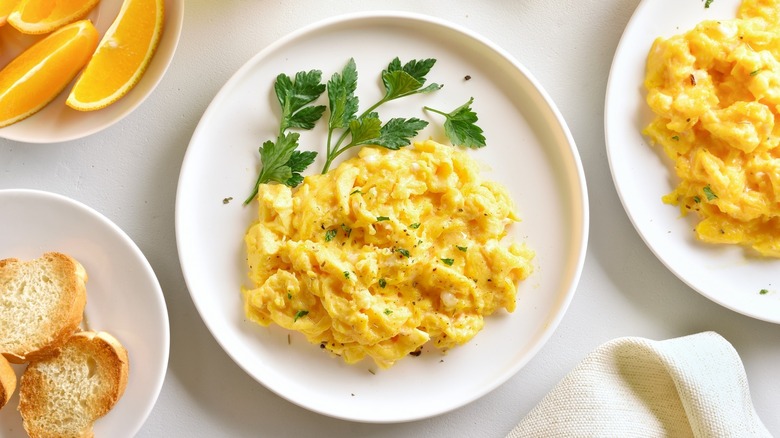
(129, 173)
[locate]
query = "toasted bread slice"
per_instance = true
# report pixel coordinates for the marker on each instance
(41, 305)
(7, 381)
(63, 395)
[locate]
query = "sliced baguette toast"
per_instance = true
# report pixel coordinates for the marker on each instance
(7, 381)
(41, 305)
(63, 395)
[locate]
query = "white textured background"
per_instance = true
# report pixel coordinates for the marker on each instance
(129, 173)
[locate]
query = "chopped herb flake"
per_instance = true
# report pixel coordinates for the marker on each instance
(764, 291)
(382, 283)
(329, 235)
(709, 193)
(448, 262)
(388, 312)
(355, 191)
(676, 137)
(289, 296)
(462, 248)
(346, 274)
(755, 72)
(415, 225)
(347, 230)
(696, 199)
(707, 4)
(300, 314)
(403, 252)
(382, 218)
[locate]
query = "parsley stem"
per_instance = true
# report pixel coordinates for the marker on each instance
(435, 110)
(334, 151)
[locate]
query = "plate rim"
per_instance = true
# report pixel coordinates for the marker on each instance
(572, 159)
(81, 209)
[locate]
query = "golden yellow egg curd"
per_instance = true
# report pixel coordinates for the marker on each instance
(387, 252)
(715, 91)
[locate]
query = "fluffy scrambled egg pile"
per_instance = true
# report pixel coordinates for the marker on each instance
(390, 250)
(715, 91)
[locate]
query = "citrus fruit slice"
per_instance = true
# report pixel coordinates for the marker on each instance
(6, 6)
(44, 16)
(38, 75)
(121, 57)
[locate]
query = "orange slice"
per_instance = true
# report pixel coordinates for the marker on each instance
(39, 74)
(6, 6)
(44, 16)
(122, 56)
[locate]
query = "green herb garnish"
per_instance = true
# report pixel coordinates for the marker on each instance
(403, 252)
(697, 199)
(355, 191)
(415, 225)
(764, 291)
(330, 235)
(707, 4)
(460, 126)
(676, 137)
(367, 129)
(300, 314)
(709, 193)
(462, 248)
(279, 161)
(755, 72)
(382, 283)
(382, 218)
(448, 262)
(388, 312)
(346, 274)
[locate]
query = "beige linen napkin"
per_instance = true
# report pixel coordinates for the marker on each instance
(694, 386)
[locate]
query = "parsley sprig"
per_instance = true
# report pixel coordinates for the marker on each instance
(367, 129)
(281, 162)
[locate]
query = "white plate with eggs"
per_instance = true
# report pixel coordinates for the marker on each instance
(530, 150)
(726, 274)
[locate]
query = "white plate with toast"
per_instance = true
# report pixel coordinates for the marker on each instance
(529, 150)
(124, 296)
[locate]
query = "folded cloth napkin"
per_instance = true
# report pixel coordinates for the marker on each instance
(694, 386)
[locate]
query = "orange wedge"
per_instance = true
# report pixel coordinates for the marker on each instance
(38, 75)
(6, 6)
(44, 16)
(121, 57)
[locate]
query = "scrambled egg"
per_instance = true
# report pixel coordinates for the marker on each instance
(715, 91)
(390, 250)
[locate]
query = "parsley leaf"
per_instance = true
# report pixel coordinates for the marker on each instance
(461, 128)
(415, 225)
(707, 4)
(403, 252)
(294, 95)
(462, 248)
(382, 218)
(448, 262)
(763, 291)
(341, 96)
(406, 80)
(388, 312)
(330, 235)
(382, 283)
(297, 163)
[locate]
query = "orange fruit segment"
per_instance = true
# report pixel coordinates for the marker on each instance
(121, 57)
(40, 73)
(6, 6)
(44, 16)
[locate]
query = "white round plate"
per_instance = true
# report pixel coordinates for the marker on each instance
(123, 295)
(642, 174)
(529, 149)
(57, 122)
